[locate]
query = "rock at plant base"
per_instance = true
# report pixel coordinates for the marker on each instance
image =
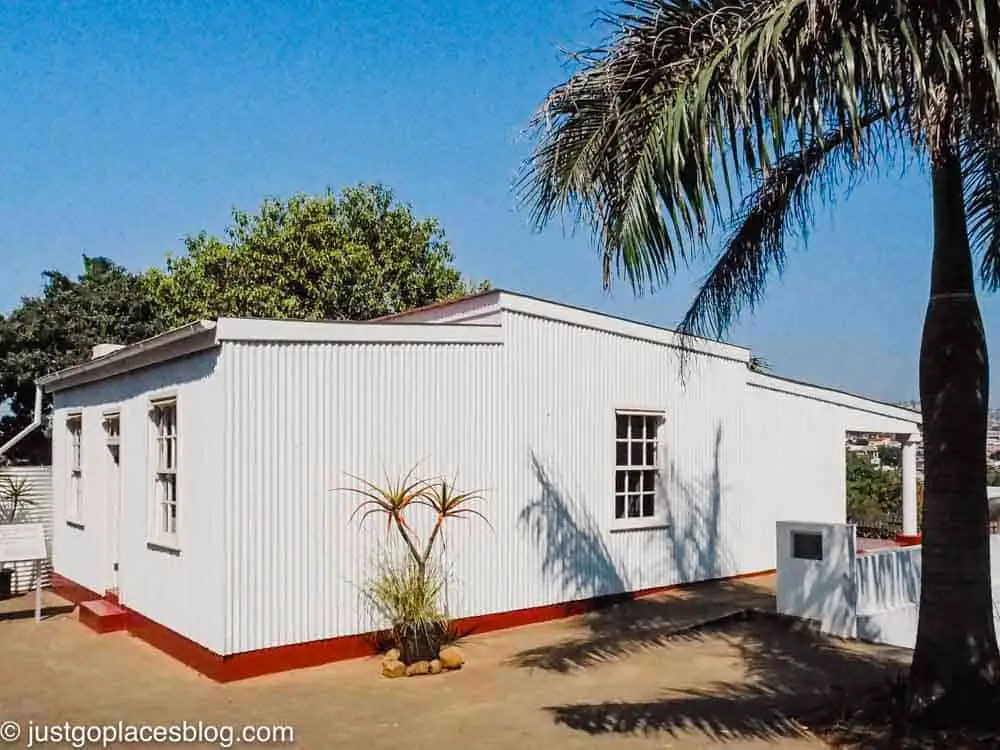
(418, 667)
(451, 658)
(391, 655)
(436, 667)
(393, 668)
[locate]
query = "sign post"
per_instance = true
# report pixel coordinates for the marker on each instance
(25, 542)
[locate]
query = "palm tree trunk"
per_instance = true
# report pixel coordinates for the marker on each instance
(956, 664)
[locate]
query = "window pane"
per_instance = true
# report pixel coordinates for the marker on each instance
(620, 481)
(636, 454)
(648, 481)
(633, 505)
(621, 426)
(648, 499)
(619, 506)
(621, 454)
(650, 454)
(634, 478)
(637, 422)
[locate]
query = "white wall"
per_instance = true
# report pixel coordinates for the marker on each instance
(532, 422)
(182, 591)
(824, 590)
(873, 596)
(299, 418)
(796, 467)
(892, 608)
(39, 492)
(563, 383)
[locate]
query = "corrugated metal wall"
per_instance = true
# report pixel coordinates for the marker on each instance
(180, 589)
(796, 445)
(532, 422)
(39, 487)
(300, 417)
(567, 382)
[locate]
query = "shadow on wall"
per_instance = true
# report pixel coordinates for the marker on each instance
(694, 522)
(690, 549)
(574, 553)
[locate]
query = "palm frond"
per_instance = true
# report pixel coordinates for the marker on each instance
(780, 207)
(981, 169)
(649, 137)
(657, 130)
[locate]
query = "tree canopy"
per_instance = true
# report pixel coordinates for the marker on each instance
(355, 256)
(58, 328)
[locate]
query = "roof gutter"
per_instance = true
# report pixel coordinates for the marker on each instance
(127, 353)
(35, 423)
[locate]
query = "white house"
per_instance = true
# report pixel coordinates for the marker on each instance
(195, 473)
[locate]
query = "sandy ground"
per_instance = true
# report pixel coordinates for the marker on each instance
(631, 676)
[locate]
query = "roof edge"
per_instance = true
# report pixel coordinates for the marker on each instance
(833, 395)
(348, 331)
(133, 356)
(619, 325)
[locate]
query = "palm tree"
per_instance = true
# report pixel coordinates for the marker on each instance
(693, 103)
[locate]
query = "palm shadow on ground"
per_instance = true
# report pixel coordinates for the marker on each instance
(796, 682)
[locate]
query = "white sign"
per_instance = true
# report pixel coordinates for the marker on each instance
(20, 542)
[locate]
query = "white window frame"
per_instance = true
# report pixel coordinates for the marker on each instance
(112, 438)
(642, 464)
(109, 417)
(74, 463)
(164, 509)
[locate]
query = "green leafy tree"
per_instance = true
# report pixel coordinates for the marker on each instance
(57, 329)
(655, 136)
(355, 256)
(873, 495)
(890, 455)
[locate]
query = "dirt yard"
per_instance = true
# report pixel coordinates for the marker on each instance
(632, 676)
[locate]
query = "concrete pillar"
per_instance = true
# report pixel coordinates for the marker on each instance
(909, 467)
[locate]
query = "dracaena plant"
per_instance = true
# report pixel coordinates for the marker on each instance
(395, 498)
(13, 497)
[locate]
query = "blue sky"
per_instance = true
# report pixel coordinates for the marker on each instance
(128, 125)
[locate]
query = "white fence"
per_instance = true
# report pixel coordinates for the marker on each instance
(38, 510)
(873, 595)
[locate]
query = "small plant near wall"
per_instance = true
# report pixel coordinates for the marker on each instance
(13, 502)
(13, 498)
(408, 593)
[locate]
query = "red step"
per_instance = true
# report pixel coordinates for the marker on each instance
(102, 616)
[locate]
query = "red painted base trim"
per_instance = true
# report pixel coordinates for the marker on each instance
(70, 590)
(907, 540)
(516, 618)
(314, 653)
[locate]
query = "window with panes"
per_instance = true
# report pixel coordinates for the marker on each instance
(164, 417)
(636, 471)
(74, 498)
